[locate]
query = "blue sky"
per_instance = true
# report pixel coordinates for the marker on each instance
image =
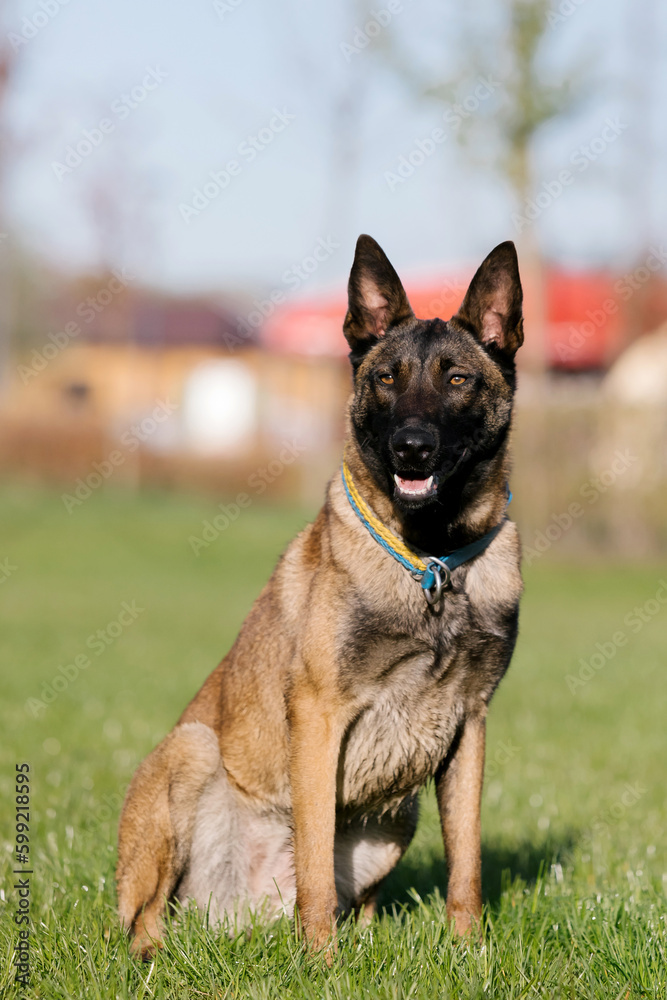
(232, 74)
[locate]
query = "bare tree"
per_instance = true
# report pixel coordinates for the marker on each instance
(500, 45)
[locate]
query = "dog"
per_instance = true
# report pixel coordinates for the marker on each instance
(366, 666)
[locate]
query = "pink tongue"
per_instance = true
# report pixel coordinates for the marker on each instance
(412, 485)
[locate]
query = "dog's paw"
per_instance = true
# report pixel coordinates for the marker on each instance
(466, 921)
(322, 943)
(320, 936)
(143, 947)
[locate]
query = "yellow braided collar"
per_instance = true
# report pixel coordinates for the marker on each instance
(375, 525)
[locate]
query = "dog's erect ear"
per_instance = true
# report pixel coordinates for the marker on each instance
(376, 298)
(492, 305)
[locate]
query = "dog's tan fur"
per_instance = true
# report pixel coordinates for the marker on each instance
(292, 776)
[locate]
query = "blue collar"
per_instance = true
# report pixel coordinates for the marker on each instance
(434, 574)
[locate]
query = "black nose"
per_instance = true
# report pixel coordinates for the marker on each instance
(413, 446)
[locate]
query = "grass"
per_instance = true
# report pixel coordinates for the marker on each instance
(574, 818)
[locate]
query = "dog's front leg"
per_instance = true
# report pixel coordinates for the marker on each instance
(315, 737)
(459, 792)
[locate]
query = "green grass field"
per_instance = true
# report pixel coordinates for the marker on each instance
(574, 819)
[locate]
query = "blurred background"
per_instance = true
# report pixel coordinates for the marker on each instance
(181, 188)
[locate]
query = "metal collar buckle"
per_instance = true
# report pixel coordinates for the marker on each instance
(441, 579)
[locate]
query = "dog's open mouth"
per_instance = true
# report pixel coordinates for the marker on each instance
(415, 488)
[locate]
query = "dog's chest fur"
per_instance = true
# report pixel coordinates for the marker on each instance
(418, 674)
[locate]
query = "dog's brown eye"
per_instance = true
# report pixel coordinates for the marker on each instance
(387, 378)
(457, 380)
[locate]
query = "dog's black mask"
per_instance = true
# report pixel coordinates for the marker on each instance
(432, 399)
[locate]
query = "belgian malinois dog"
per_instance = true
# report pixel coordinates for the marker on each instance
(367, 663)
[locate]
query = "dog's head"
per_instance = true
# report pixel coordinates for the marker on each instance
(432, 398)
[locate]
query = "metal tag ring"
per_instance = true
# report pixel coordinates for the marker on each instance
(434, 593)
